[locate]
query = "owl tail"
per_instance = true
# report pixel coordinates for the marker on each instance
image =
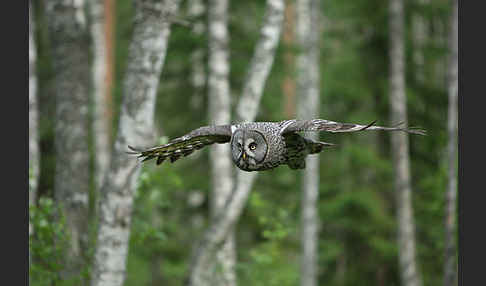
(317, 146)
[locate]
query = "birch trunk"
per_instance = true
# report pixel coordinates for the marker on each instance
(450, 265)
(308, 31)
(221, 272)
(33, 114)
(102, 118)
(224, 221)
(288, 38)
(144, 64)
(70, 61)
(400, 150)
(196, 10)
(33, 121)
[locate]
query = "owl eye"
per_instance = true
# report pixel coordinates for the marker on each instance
(239, 146)
(252, 146)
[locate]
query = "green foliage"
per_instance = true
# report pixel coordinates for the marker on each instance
(357, 236)
(48, 244)
(161, 210)
(268, 261)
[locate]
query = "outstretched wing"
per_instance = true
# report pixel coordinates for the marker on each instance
(331, 126)
(185, 145)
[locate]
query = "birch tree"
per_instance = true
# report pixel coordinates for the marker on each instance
(33, 120)
(220, 155)
(101, 84)
(450, 265)
(288, 39)
(308, 31)
(224, 221)
(144, 64)
(70, 62)
(196, 10)
(400, 150)
(33, 113)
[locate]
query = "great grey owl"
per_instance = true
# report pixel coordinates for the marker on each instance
(258, 146)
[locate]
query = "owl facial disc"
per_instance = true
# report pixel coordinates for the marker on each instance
(248, 149)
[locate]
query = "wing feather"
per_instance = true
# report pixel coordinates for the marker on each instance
(185, 145)
(332, 126)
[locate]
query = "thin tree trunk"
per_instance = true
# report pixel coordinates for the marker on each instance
(308, 30)
(223, 223)
(221, 272)
(400, 150)
(450, 265)
(70, 61)
(156, 270)
(440, 41)
(100, 69)
(196, 9)
(288, 38)
(136, 127)
(33, 120)
(33, 113)
(419, 35)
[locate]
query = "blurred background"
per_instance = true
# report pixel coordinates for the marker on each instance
(357, 240)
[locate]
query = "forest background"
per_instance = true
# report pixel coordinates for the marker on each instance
(75, 121)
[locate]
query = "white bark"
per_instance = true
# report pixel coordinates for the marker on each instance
(261, 62)
(288, 40)
(70, 61)
(196, 9)
(400, 150)
(308, 31)
(221, 272)
(101, 123)
(450, 265)
(144, 64)
(222, 223)
(33, 121)
(33, 115)
(218, 230)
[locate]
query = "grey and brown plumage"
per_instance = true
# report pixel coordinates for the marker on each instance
(258, 146)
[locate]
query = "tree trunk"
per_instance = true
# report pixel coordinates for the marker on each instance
(419, 35)
(102, 114)
(440, 41)
(288, 38)
(70, 62)
(450, 265)
(196, 9)
(221, 272)
(136, 127)
(308, 30)
(33, 113)
(400, 150)
(33, 120)
(224, 221)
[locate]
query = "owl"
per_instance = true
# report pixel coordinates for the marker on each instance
(259, 146)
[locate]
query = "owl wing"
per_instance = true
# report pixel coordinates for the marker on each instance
(294, 125)
(185, 145)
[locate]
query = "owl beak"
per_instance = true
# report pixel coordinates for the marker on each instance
(244, 156)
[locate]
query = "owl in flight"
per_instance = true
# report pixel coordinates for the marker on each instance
(258, 146)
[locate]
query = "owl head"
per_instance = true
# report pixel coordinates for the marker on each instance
(248, 149)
